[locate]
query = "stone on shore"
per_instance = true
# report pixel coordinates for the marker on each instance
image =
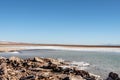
(113, 76)
(15, 68)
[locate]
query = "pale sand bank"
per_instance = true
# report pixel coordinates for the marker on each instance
(16, 48)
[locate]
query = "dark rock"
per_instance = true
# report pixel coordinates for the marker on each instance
(57, 69)
(66, 78)
(41, 77)
(90, 78)
(15, 64)
(30, 77)
(3, 70)
(82, 73)
(113, 76)
(49, 66)
(67, 71)
(38, 59)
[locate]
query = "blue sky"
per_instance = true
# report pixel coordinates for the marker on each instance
(60, 21)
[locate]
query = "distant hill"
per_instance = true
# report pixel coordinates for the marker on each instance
(11, 43)
(6, 42)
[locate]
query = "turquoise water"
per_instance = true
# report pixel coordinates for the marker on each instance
(101, 63)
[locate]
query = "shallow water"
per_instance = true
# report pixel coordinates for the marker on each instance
(101, 63)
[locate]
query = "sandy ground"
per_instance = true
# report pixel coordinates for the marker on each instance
(8, 49)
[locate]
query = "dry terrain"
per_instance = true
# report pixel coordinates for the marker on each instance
(14, 46)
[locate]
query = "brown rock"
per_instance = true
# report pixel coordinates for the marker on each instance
(15, 59)
(3, 69)
(36, 68)
(38, 59)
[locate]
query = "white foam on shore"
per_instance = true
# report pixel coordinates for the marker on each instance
(80, 65)
(15, 52)
(60, 60)
(70, 48)
(77, 65)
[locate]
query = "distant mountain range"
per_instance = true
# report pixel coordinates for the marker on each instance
(13, 43)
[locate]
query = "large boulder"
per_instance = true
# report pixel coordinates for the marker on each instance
(113, 76)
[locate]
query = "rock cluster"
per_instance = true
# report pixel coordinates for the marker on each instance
(15, 68)
(113, 76)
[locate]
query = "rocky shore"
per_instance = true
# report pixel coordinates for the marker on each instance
(15, 68)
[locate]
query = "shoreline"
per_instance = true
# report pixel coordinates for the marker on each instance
(18, 48)
(12, 48)
(37, 68)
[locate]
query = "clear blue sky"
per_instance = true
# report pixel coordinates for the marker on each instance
(60, 21)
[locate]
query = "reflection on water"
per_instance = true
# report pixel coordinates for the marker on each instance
(101, 63)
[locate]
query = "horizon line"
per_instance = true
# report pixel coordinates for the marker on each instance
(57, 44)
